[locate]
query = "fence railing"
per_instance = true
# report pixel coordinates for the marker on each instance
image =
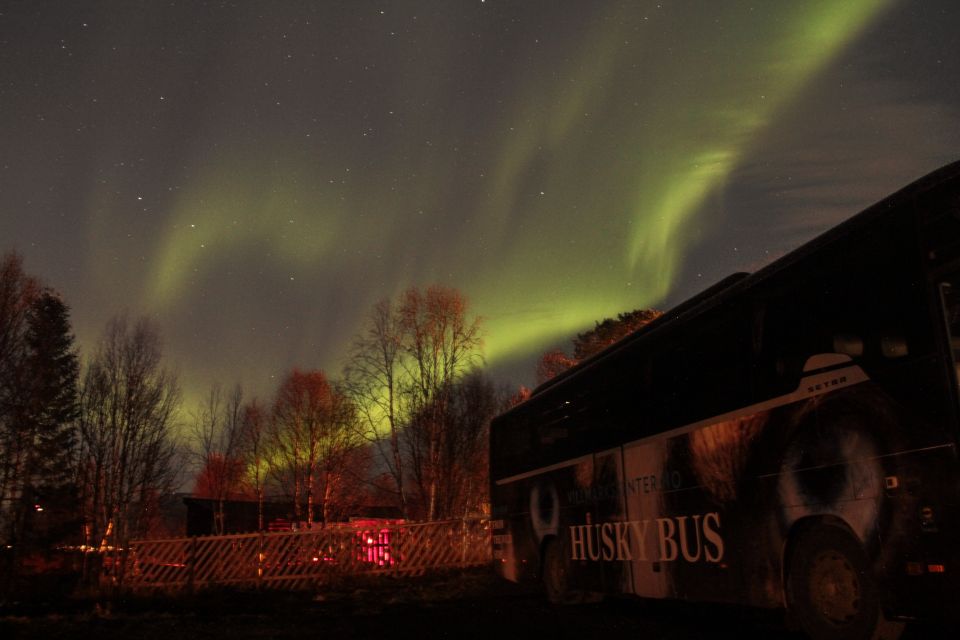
(304, 559)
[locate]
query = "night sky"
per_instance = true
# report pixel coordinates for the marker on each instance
(255, 175)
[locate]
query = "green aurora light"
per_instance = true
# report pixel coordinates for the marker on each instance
(575, 200)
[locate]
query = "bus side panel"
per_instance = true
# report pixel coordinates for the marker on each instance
(715, 506)
(707, 514)
(550, 507)
(681, 502)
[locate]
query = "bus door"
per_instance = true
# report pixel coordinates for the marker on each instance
(644, 466)
(610, 512)
(579, 531)
(950, 298)
(949, 289)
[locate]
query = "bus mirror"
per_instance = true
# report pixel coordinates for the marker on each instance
(849, 344)
(824, 360)
(893, 347)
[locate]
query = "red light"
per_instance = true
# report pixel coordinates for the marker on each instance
(936, 568)
(374, 547)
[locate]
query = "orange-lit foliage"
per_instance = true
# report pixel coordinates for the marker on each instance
(303, 393)
(350, 490)
(592, 342)
(521, 395)
(553, 363)
(312, 437)
(222, 478)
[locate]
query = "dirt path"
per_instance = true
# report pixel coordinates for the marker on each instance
(470, 605)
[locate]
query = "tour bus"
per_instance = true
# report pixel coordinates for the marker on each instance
(786, 439)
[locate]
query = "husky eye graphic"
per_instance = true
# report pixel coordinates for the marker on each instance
(838, 472)
(544, 510)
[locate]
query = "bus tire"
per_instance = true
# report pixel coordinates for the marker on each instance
(831, 592)
(556, 575)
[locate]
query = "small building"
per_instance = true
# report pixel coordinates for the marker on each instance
(241, 516)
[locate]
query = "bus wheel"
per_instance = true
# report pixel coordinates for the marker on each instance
(556, 575)
(831, 592)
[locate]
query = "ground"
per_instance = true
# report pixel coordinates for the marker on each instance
(473, 604)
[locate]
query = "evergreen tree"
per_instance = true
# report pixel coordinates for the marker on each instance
(17, 292)
(49, 410)
(52, 363)
(610, 330)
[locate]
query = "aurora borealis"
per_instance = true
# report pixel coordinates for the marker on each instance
(256, 175)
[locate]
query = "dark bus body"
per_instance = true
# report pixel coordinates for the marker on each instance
(784, 439)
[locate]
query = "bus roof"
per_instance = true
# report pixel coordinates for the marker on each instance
(730, 285)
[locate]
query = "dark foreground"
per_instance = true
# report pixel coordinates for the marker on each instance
(475, 604)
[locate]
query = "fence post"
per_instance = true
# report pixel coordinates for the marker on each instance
(259, 560)
(191, 562)
(396, 552)
(121, 556)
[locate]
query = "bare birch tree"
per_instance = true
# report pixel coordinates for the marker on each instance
(127, 452)
(254, 453)
(464, 465)
(440, 345)
(287, 443)
(217, 446)
(401, 372)
(338, 461)
(373, 377)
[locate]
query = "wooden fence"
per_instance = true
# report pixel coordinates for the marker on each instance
(303, 559)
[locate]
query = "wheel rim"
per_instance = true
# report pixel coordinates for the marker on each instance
(835, 588)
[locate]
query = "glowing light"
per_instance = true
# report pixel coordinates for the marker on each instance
(701, 152)
(698, 112)
(586, 187)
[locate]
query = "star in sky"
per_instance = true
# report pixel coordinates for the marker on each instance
(557, 161)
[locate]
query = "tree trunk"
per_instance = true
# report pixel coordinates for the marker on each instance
(260, 508)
